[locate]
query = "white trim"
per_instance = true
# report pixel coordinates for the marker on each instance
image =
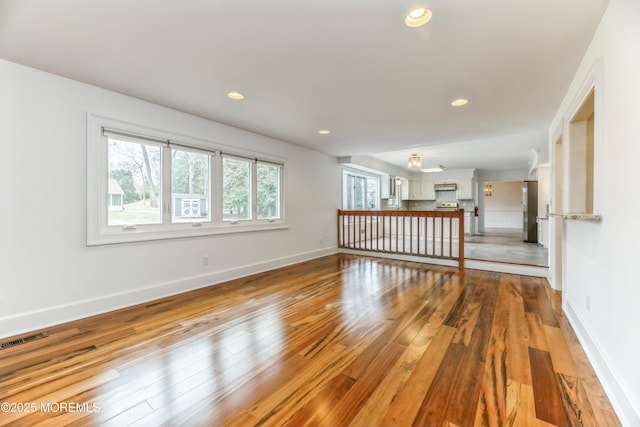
(187, 229)
(361, 172)
(280, 168)
(252, 187)
(626, 410)
(582, 94)
(38, 319)
(593, 82)
(367, 175)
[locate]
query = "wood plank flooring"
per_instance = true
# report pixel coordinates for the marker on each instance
(338, 341)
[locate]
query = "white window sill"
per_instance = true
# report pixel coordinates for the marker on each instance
(143, 233)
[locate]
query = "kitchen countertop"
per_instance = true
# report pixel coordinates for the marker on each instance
(579, 217)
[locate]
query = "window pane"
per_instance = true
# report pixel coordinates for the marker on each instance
(359, 193)
(134, 186)
(347, 182)
(236, 189)
(268, 191)
(372, 193)
(190, 186)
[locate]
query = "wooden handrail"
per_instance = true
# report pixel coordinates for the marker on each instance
(429, 233)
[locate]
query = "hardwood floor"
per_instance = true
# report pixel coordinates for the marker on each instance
(341, 340)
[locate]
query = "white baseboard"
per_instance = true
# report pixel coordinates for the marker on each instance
(39, 319)
(629, 415)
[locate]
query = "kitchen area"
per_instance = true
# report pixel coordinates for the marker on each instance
(493, 202)
(503, 221)
(445, 190)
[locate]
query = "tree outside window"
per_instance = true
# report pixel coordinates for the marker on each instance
(190, 172)
(236, 189)
(137, 168)
(268, 193)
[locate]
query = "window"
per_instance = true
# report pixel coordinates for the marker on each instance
(268, 192)
(373, 197)
(144, 184)
(136, 168)
(190, 184)
(236, 189)
(237, 193)
(360, 192)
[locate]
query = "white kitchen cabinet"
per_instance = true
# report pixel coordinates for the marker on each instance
(467, 222)
(418, 190)
(385, 187)
(442, 228)
(465, 189)
(404, 189)
(455, 229)
(411, 190)
(415, 190)
(428, 192)
(470, 222)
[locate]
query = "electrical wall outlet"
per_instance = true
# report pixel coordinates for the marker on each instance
(205, 259)
(588, 303)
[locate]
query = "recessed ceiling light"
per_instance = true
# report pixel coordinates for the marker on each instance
(459, 102)
(324, 131)
(235, 95)
(417, 13)
(418, 17)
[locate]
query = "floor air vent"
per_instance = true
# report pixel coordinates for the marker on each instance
(23, 340)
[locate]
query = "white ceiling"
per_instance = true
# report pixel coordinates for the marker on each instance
(511, 152)
(348, 65)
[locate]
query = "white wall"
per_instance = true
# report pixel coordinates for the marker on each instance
(542, 176)
(484, 176)
(503, 209)
(601, 259)
(48, 274)
(446, 175)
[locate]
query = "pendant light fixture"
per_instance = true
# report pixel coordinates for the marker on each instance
(415, 161)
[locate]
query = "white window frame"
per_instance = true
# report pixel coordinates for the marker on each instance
(98, 231)
(252, 188)
(255, 193)
(170, 206)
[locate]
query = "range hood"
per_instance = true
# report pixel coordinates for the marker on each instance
(446, 187)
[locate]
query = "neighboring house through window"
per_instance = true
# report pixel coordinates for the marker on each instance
(116, 195)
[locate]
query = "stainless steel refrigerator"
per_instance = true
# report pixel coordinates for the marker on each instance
(530, 211)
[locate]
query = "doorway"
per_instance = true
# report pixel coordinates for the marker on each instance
(556, 206)
(501, 239)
